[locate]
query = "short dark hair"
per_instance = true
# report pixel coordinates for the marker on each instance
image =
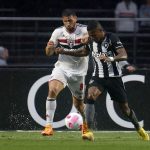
(68, 12)
(93, 24)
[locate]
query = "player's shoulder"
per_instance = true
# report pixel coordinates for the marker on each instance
(58, 30)
(81, 25)
(81, 28)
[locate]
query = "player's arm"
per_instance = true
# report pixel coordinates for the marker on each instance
(85, 38)
(76, 53)
(119, 50)
(52, 43)
(121, 56)
(50, 48)
(127, 67)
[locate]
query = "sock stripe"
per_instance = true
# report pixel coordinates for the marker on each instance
(50, 99)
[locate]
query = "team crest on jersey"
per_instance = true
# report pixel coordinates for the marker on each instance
(70, 42)
(106, 45)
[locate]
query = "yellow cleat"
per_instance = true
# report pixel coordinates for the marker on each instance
(48, 131)
(143, 134)
(86, 134)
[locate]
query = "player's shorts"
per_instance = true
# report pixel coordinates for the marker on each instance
(113, 85)
(75, 83)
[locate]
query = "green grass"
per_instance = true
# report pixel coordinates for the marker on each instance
(66, 140)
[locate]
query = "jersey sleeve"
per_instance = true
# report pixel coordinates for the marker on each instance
(85, 30)
(116, 41)
(54, 37)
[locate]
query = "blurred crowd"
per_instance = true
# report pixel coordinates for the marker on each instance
(51, 8)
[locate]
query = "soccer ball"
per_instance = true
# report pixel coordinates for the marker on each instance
(74, 121)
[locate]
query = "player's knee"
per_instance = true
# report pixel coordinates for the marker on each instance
(92, 96)
(93, 93)
(53, 91)
(90, 101)
(79, 107)
(55, 87)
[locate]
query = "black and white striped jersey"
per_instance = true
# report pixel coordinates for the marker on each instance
(108, 47)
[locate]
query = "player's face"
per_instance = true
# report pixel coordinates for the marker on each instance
(96, 34)
(69, 22)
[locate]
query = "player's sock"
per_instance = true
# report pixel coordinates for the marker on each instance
(90, 113)
(50, 110)
(134, 119)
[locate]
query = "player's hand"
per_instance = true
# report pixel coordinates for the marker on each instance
(85, 39)
(130, 68)
(104, 58)
(59, 50)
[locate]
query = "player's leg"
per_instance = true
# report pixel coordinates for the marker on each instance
(118, 93)
(90, 112)
(93, 93)
(86, 134)
(132, 117)
(56, 84)
(77, 88)
(55, 87)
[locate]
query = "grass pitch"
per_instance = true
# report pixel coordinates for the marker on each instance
(67, 140)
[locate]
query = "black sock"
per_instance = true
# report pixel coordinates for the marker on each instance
(134, 119)
(90, 113)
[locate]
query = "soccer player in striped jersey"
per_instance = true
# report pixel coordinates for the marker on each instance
(107, 51)
(126, 68)
(69, 70)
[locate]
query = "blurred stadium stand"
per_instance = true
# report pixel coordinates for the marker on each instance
(26, 37)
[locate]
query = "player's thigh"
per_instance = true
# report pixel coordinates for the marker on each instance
(57, 81)
(116, 90)
(76, 85)
(55, 86)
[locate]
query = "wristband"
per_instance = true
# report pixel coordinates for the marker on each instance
(111, 58)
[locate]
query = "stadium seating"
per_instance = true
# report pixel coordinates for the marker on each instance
(26, 37)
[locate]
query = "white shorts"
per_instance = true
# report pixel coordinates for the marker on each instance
(75, 83)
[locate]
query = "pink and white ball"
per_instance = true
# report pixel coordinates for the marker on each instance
(74, 121)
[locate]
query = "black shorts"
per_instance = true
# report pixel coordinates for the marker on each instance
(113, 85)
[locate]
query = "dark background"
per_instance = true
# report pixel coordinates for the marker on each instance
(39, 8)
(15, 84)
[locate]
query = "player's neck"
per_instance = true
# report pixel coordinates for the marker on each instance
(71, 30)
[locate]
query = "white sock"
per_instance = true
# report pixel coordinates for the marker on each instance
(50, 110)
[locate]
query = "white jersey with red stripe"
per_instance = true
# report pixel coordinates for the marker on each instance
(70, 42)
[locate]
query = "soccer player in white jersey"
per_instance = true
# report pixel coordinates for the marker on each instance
(69, 70)
(107, 51)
